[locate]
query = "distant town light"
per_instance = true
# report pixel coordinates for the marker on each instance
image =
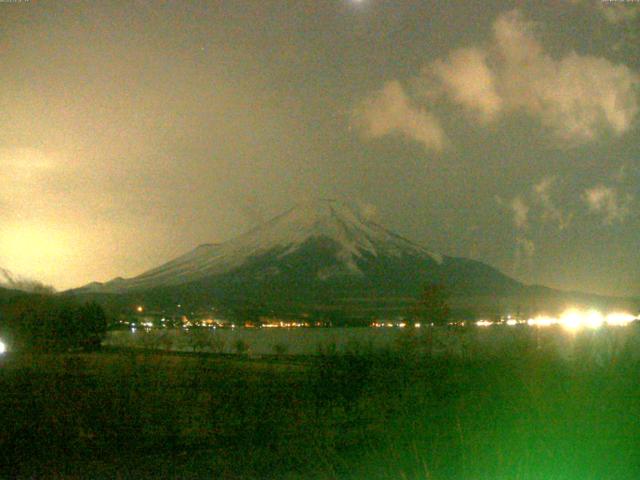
(573, 320)
(594, 319)
(542, 321)
(620, 319)
(140, 309)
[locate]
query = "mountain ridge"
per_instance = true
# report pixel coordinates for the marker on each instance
(315, 256)
(332, 219)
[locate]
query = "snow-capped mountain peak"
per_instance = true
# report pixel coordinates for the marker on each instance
(331, 219)
(349, 232)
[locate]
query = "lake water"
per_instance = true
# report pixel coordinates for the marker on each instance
(601, 344)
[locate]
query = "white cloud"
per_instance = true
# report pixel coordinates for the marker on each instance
(578, 98)
(390, 111)
(525, 247)
(520, 213)
(609, 203)
(468, 80)
(550, 211)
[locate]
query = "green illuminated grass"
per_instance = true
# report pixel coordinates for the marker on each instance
(359, 415)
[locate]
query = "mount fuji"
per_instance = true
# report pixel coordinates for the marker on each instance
(330, 226)
(316, 255)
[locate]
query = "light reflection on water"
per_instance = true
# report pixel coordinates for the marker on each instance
(604, 342)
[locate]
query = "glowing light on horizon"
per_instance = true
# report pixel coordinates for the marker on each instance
(571, 320)
(3, 347)
(542, 321)
(574, 319)
(30, 248)
(594, 319)
(620, 319)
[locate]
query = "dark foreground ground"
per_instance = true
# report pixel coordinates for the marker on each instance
(360, 415)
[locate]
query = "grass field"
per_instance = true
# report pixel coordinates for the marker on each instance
(354, 415)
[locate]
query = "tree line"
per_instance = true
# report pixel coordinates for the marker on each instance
(50, 323)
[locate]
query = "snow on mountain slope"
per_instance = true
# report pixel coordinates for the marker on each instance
(326, 219)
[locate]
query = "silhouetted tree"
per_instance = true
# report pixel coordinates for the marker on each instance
(199, 338)
(50, 323)
(91, 326)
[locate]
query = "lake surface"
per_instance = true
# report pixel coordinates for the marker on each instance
(601, 344)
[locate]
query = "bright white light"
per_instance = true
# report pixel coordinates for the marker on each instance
(593, 319)
(574, 319)
(619, 319)
(3, 347)
(571, 319)
(511, 322)
(484, 323)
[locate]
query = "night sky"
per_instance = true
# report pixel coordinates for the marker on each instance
(130, 132)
